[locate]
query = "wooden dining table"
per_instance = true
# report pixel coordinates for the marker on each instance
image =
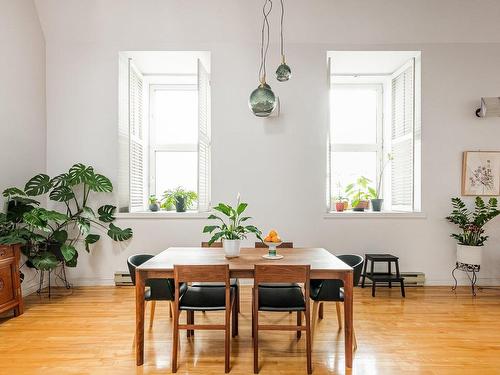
(324, 265)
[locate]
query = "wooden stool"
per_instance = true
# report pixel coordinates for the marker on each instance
(387, 277)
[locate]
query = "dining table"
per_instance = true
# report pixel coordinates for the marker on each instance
(324, 265)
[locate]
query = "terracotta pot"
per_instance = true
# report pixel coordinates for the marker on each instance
(339, 206)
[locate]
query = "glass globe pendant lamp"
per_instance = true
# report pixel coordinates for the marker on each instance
(283, 73)
(262, 100)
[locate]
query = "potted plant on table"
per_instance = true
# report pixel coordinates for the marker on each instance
(231, 229)
(471, 239)
(182, 199)
(360, 193)
(50, 237)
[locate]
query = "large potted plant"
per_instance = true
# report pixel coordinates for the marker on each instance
(360, 193)
(471, 239)
(231, 229)
(50, 237)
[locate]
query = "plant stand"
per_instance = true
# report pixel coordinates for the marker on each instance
(61, 276)
(468, 269)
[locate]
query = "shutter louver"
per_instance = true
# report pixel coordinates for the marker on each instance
(402, 139)
(136, 150)
(203, 138)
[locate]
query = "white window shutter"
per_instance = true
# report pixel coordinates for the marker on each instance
(203, 138)
(137, 136)
(402, 138)
(329, 203)
(123, 135)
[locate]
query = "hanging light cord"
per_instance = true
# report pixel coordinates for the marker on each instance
(281, 32)
(264, 40)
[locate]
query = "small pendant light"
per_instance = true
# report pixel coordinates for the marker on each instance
(262, 100)
(283, 73)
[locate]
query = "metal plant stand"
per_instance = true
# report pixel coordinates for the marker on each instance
(61, 276)
(468, 269)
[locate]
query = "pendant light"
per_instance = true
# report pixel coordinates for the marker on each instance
(262, 100)
(283, 73)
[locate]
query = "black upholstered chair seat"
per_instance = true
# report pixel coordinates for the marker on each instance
(161, 289)
(327, 290)
(279, 285)
(281, 299)
(202, 298)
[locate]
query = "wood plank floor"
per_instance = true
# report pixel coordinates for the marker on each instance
(433, 331)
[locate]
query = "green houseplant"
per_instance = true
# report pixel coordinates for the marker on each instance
(231, 229)
(154, 205)
(471, 238)
(168, 200)
(360, 193)
(375, 199)
(183, 199)
(50, 237)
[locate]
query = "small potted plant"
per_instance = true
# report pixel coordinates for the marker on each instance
(340, 203)
(168, 202)
(154, 205)
(359, 193)
(471, 239)
(231, 229)
(183, 199)
(375, 193)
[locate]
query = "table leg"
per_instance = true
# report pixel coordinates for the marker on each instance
(348, 317)
(140, 285)
(364, 274)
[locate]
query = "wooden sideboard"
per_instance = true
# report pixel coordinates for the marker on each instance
(11, 297)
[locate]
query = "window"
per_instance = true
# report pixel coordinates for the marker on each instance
(164, 127)
(375, 126)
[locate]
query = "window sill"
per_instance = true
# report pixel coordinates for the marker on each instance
(162, 215)
(375, 215)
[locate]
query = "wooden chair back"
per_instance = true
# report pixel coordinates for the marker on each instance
(200, 273)
(284, 245)
(277, 273)
(215, 244)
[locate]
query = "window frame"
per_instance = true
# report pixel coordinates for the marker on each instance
(153, 147)
(377, 147)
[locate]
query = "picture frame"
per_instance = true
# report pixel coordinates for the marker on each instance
(481, 173)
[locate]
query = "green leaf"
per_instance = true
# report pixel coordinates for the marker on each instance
(215, 237)
(100, 183)
(40, 184)
(79, 173)
(241, 208)
(13, 191)
(210, 228)
(61, 194)
(53, 216)
(88, 213)
(24, 200)
(119, 234)
(106, 213)
(60, 180)
(68, 252)
(72, 262)
(83, 225)
(90, 239)
(12, 239)
(60, 236)
(225, 209)
(45, 261)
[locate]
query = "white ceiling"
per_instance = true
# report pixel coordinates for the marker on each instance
(368, 62)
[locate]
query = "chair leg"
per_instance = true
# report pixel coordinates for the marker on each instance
(355, 342)
(170, 309)
(403, 289)
(339, 315)
(308, 338)
(188, 321)
(299, 323)
(314, 317)
(255, 333)
(320, 310)
(192, 322)
(175, 340)
(152, 314)
(235, 320)
(237, 297)
(374, 284)
(227, 342)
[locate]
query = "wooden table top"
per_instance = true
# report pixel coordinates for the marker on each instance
(323, 263)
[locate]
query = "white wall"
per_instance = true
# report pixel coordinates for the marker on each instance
(278, 164)
(22, 98)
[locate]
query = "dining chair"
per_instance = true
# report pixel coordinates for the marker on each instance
(332, 291)
(234, 282)
(156, 289)
(198, 298)
(279, 300)
(284, 245)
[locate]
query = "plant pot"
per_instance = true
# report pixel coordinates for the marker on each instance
(154, 207)
(339, 206)
(361, 206)
(472, 255)
(231, 248)
(180, 204)
(377, 204)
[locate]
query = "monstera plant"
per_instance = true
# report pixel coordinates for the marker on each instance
(50, 237)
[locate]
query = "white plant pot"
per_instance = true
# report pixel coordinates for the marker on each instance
(231, 248)
(469, 254)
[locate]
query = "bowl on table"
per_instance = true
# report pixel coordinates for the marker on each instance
(272, 254)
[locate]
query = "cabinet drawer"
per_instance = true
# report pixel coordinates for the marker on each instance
(6, 252)
(6, 287)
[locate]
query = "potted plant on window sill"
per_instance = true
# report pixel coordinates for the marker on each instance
(182, 199)
(154, 205)
(231, 230)
(377, 202)
(341, 203)
(168, 201)
(471, 240)
(359, 193)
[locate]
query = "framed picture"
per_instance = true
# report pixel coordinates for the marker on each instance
(481, 173)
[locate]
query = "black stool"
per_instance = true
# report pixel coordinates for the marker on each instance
(387, 277)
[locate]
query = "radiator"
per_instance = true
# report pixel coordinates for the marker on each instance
(122, 278)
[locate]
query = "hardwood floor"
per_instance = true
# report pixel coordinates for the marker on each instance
(431, 332)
